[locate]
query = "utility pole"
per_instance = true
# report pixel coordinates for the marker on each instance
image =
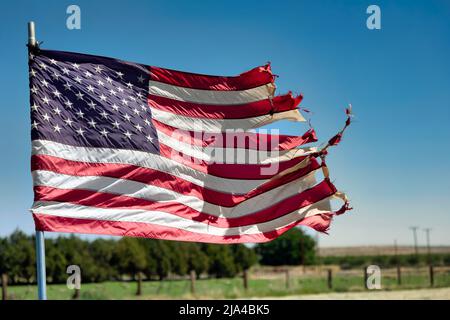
(399, 272)
(414, 230)
(427, 231)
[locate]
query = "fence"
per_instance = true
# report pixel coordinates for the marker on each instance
(258, 282)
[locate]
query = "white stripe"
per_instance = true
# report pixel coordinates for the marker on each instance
(145, 160)
(211, 96)
(170, 220)
(222, 125)
(154, 193)
(230, 155)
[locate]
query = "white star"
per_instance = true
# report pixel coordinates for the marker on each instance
(90, 88)
(56, 128)
(46, 100)
(100, 83)
(127, 134)
(88, 74)
(149, 138)
(98, 69)
(129, 85)
(140, 78)
(113, 92)
(68, 104)
(136, 111)
(139, 95)
(147, 122)
(115, 107)
(32, 73)
(126, 116)
(76, 66)
(119, 74)
(92, 105)
(120, 89)
(43, 66)
(55, 75)
(67, 86)
(34, 90)
(79, 95)
(53, 61)
(34, 125)
(31, 56)
(44, 83)
(109, 80)
(80, 132)
(57, 111)
(104, 133)
(104, 114)
(77, 79)
(102, 97)
(68, 122)
(92, 123)
(125, 102)
(143, 107)
(46, 117)
(80, 113)
(56, 93)
(138, 127)
(34, 107)
(116, 124)
(65, 70)
(132, 98)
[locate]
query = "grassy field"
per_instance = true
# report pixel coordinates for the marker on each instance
(229, 288)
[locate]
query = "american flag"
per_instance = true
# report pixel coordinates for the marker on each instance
(128, 149)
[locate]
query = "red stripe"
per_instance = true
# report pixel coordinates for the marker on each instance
(159, 179)
(229, 170)
(51, 223)
(254, 109)
(108, 200)
(249, 140)
(253, 78)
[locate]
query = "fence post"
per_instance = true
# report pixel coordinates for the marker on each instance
(245, 277)
(139, 284)
(431, 275)
(399, 275)
(365, 277)
(287, 279)
(76, 294)
(330, 279)
(4, 286)
(193, 276)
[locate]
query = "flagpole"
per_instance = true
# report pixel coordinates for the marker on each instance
(40, 243)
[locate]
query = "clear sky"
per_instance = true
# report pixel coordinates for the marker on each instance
(393, 162)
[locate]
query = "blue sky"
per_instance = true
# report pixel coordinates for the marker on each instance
(393, 161)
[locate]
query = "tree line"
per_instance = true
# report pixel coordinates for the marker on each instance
(128, 258)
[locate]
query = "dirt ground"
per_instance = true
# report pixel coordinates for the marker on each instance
(421, 294)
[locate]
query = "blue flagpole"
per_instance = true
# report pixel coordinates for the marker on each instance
(40, 264)
(40, 244)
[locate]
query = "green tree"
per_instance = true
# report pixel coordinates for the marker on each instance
(56, 263)
(292, 248)
(102, 251)
(221, 260)
(21, 257)
(197, 260)
(244, 257)
(129, 256)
